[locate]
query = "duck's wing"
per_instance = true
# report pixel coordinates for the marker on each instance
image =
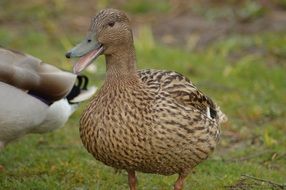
(23, 76)
(32, 74)
(182, 90)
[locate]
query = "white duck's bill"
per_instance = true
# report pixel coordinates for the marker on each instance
(86, 60)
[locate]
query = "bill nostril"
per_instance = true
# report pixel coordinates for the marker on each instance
(68, 55)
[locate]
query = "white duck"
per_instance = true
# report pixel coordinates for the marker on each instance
(35, 97)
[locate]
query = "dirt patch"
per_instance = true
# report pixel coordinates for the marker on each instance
(192, 31)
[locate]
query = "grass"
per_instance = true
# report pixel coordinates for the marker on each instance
(245, 74)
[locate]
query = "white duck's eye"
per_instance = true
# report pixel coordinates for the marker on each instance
(111, 24)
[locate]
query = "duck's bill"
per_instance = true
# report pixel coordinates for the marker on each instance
(87, 51)
(85, 60)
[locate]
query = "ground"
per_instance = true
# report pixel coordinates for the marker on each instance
(234, 51)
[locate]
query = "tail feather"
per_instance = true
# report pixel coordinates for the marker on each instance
(222, 118)
(84, 95)
(80, 92)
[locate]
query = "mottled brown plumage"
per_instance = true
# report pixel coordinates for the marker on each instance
(149, 121)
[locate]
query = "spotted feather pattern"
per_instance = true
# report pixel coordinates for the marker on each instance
(156, 122)
(180, 88)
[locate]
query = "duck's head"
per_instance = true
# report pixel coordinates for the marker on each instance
(108, 34)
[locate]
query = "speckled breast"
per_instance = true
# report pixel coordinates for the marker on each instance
(148, 138)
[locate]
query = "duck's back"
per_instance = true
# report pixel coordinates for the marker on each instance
(161, 125)
(29, 73)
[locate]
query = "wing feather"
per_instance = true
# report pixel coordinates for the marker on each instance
(182, 90)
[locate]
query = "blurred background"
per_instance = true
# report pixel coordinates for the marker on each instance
(233, 50)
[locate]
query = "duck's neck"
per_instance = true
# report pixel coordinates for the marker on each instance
(121, 65)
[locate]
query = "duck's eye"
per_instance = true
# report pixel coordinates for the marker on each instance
(111, 24)
(89, 40)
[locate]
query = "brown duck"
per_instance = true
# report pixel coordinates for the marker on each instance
(150, 121)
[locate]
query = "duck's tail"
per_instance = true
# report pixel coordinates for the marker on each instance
(80, 92)
(221, 117)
